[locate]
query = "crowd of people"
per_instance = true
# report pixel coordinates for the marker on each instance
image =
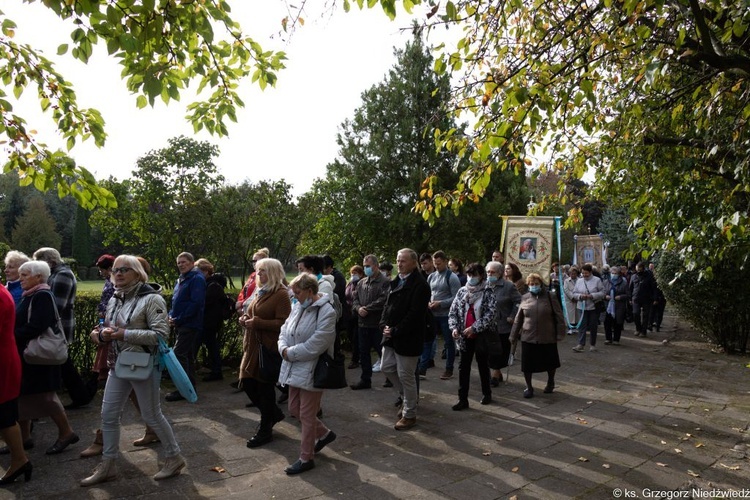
(480, 312)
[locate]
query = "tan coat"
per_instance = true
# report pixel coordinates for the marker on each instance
(539, 320)
(270, 312)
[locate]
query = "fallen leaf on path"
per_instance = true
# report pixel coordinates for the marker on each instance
(661, 464)
(606, 466)
(514, 469)
(513, 498)
(374, 415)
(218, 469)
(486, 453)
(706, 409)
(688, 434)
(583, 459)
(694, 474)
(498, 439)
(730, 467)
(677, 450)
(700, 445)
(663, 442)
(581, 420)
(347, 452)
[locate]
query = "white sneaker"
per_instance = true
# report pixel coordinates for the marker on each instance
(593, 349)
(376, 367)
(578, 348)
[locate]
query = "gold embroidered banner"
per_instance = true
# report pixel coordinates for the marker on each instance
(528, 244)
(589, 249)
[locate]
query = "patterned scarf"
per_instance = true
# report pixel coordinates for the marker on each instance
(33, 290)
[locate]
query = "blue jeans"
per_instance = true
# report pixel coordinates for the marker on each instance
(450, 344)
(369, 338)
(116, 395)
(590, 324)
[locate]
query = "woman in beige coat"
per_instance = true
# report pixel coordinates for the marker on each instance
(540, 325)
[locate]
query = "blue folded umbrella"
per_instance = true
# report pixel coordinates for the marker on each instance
(180, 379)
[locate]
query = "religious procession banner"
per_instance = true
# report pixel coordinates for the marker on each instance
(590, 248)
(527, 243)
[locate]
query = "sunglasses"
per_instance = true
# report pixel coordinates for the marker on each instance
(123, 270)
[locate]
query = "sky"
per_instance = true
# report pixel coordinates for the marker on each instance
(286, 132)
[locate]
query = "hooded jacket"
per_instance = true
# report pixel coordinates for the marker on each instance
(188, 300)
(306, 334)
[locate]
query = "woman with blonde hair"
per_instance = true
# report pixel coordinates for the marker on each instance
(262, 319)
(135, 320)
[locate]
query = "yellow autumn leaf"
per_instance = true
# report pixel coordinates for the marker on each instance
(514, 469)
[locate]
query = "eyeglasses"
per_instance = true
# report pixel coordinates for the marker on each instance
(123, 270)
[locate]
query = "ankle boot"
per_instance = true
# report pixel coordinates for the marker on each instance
(148, 438)
(95, 448)
(172, 467)
(105, 471)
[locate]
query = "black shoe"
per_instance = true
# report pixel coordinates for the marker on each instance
(235, 384)
(528, 393)
(486, 399)
(324, 441)
(250, 405)
(27, 445)
(279, 416)
(461, 405)
(549, 388)
(174, 396)
(299, 466)
(24, 470)
(423, 374)
(494, 382)
(361, 385)
(61, 444)
(76, 405)
(259, 440)
(388, 383)
(212, 377)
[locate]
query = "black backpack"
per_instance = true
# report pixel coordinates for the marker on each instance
(227, 310)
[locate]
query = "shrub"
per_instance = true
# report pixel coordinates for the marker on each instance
(87, 316)
(719, 308)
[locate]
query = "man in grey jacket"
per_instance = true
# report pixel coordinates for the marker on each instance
(368, 304)
(444, 286)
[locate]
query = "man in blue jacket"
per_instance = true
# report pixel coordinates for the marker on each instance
(186, 316)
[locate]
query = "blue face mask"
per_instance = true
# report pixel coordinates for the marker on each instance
(368, 271)
(535, 289)
(492, 279)
(473, 281)
(306, 303)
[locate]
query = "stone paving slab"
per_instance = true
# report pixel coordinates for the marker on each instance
(639, 415)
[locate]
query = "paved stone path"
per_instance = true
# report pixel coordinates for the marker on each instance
(629, 420)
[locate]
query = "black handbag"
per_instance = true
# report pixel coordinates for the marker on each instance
(269, 363)
(330, 372)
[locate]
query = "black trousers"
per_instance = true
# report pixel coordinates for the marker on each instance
(464, 369)
(263, 396)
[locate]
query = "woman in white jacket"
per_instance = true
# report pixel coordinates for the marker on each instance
(308, 332)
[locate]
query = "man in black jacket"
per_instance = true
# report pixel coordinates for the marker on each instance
(643, 296)
(403, 323)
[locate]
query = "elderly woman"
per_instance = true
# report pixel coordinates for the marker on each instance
(540, 326)
(472, 320)
(618, 295)
(13, 261)
(262, 320)
(39, 383)
(309, 332)
(588, 290)
(10, 387)
(136, 319)
(507, 300)
(574, 316)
